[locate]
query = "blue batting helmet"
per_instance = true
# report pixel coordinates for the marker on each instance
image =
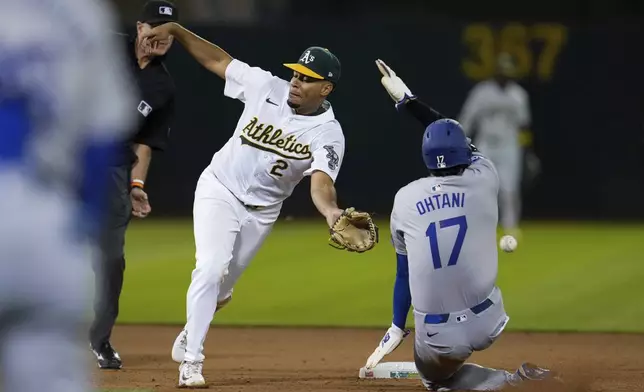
(445, 145)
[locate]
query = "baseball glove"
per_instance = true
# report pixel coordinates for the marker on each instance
(354, 231)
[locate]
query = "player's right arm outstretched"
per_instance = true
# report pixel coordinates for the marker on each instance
(405, 100)
(211, 56)
(403, 97)
(243, 82)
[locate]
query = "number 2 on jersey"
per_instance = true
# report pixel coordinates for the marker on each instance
(279, 165)
(432, 233)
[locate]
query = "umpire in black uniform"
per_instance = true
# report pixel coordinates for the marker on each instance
(155, 107)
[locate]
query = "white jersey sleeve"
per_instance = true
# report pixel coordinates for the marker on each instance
(328, 151)
(397, 236)
(243, 81)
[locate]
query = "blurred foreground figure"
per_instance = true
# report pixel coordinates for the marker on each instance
(62, 110)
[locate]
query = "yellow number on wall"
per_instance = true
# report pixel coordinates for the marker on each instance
(554, 37)
(479, 38)
(514, 40)
(519, 41)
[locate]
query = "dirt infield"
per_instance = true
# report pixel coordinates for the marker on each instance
(312, 360)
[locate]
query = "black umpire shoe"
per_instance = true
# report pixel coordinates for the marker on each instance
(107, 357)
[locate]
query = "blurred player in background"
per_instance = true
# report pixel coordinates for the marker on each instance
(63, 109)
(443, 229)
(496, 115)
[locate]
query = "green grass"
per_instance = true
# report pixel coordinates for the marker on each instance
(564, 277)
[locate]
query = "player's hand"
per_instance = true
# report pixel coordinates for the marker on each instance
(140, 203)
(157, 48)
(158, 37)
(333, 216)
(397, 89)
(389, 343)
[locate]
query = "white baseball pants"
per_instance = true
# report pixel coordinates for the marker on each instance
(508, 163)
(227, 237)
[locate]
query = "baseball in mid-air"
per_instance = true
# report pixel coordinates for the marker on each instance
(508, 243)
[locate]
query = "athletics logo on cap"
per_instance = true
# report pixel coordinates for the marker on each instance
(307, 57)
(165, 11)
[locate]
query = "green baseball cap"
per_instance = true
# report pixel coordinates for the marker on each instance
(318, 63)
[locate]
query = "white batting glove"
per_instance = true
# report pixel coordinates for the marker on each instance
(388, 344)
(397, 89)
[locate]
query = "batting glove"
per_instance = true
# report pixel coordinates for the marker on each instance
(397, 89)
(388, 344)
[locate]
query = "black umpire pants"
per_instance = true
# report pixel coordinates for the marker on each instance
(111, 266)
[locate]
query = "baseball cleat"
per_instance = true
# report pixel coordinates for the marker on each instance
(107, 357)
(530, 371)
(190, 375)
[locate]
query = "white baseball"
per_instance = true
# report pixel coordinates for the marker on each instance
(508, 243)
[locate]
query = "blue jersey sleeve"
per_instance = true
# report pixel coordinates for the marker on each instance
(402, 294)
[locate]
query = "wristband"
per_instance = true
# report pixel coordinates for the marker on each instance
(404, 100)
(137, 184)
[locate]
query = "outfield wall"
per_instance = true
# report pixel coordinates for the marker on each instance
(584, 83)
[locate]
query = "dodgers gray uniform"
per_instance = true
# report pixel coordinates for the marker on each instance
(498, 114)
(63, 104)
(447, 228)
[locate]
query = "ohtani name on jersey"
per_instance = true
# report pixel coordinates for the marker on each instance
(267, 138)
(437, 202)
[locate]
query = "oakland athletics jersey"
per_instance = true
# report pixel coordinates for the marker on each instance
(272, 147)
(447, 228)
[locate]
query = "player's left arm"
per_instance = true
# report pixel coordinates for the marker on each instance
(328, 152)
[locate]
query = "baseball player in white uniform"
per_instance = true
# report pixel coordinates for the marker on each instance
(443, 229)
(64, 110)
(494, 115)
(286, 131)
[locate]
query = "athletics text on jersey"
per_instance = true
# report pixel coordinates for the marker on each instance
(272, 147)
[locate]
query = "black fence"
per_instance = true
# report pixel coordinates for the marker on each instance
(584, 79)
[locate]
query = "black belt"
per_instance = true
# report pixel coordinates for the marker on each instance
(442, 318)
